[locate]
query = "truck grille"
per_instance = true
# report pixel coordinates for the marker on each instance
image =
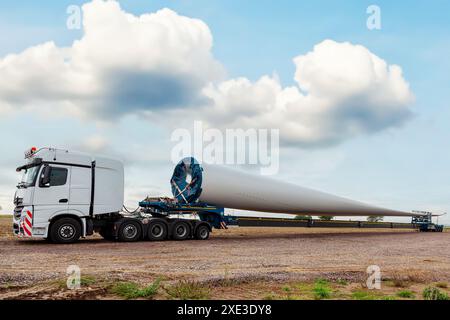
(17, 212)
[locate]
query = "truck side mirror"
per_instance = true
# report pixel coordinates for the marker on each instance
(45, 177)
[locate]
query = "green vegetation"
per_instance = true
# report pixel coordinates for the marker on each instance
(433, 293)
(342, 282)
(188, 290)
(370, 295)
(87, 280)
(130, 290)
(321, 289)
(288, 291)
(270, 296)
(363, 295)
(406, 294)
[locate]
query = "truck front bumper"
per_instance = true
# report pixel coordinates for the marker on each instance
(25, 226)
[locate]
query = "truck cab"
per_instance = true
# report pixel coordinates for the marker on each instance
(61, 193)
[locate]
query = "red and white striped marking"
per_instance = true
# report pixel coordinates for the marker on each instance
(223, 225)
(27, 223)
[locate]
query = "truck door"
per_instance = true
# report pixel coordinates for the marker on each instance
(54, 195)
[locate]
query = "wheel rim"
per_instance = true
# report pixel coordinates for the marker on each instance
(130, 231)
(157, 231)
(66, 231)
(203, 233)
(181, 231)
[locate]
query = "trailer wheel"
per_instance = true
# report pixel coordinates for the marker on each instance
(180, 230)
(129, 231)
(65, 230)
(157, 230)
(202, 233)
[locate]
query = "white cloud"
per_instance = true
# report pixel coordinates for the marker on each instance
(161, 64)
(94, 144)
(343, 90)
(123, 63)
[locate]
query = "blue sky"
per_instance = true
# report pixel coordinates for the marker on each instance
(405, 167)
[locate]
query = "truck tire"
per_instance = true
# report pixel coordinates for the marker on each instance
(129, 231)
(157, 230)
(181, 230)
(202, 232)
(65, 230)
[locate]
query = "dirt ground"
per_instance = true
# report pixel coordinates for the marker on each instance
(252, 262)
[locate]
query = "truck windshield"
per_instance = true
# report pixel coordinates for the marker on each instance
(29, 177)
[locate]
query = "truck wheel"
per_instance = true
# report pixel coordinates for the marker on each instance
(180, 230)
(202, 233)
(129, 231)
(65, 230)
(157, 230)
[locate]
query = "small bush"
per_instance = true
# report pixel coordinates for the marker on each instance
(405, 294)
(321, 289)
(433, 293)
(188, 290)
(130, 290)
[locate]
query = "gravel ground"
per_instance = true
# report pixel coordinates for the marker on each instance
(276, 254)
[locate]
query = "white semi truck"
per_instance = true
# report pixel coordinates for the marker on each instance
(66, 195)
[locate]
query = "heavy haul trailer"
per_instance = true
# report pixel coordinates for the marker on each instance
(416, 224)
(67, 195)
(154, 220)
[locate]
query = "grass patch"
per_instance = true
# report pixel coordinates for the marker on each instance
(270, 296)
(188, 290)
(288, 291)
(87, 280)
(321, 289)
(363, 295)
(406, 294)
(370, 295)
(131, 290)
(433, 293)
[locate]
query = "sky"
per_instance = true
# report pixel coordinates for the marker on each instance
(363, 113)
